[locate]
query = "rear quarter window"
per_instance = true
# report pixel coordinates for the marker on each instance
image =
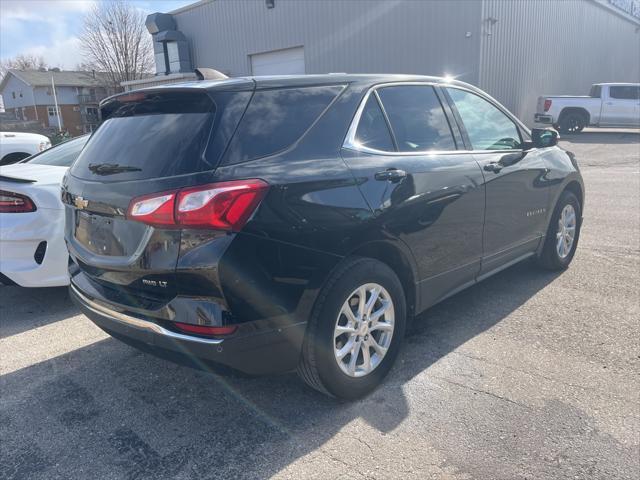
(276, 119)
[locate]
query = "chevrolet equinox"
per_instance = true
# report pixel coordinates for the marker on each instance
(281, 223)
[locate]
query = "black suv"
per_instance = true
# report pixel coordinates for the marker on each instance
(275, 223)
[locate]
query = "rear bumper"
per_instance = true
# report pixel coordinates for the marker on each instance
(256, 348)
(543, 118)
(20, 235)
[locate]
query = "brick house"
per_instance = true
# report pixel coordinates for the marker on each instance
(28, 94)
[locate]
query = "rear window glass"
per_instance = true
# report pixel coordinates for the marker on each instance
(61, 155)
(275, 119)
(150, 135)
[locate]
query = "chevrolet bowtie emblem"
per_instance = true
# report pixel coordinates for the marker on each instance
(80, 203)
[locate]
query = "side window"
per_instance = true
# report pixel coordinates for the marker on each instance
(417, 119)
(487, 127)
(275, 119)
(372, 129)
(596, 91)
(626, 92)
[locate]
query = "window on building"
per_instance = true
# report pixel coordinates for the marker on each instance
(488, 128)
(52, 111)
(13, 94)
(372, 130)
(625, 92)
(417, 119)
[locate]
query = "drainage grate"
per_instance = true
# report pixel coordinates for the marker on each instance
(40, 251)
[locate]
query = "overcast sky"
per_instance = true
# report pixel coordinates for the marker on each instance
(50, 28)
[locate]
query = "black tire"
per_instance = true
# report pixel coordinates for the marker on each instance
(572, 122)
(318, 365)
(550, 258)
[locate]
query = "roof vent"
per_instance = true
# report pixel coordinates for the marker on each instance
(209, 74)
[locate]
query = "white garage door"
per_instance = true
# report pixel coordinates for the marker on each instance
(279, 62)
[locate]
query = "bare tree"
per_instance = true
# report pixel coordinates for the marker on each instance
(22, 62)
(114, 40)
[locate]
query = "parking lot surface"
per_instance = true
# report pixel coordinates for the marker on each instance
(528, 375)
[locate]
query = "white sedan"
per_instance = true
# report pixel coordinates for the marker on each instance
(32, 248)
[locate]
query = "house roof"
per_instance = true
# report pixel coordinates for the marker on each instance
(38, 78)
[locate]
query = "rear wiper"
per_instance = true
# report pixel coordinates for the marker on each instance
(111, 168)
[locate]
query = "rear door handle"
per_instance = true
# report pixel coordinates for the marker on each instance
(391, 174)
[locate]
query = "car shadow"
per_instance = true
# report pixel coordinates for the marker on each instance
(109, 410)
(45, 306)
(602, 136)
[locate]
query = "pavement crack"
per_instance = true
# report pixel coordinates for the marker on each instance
(365, 444)
(479, 390)
(544, 377)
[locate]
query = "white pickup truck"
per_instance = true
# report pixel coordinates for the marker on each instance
(14, 146)
(607, 105)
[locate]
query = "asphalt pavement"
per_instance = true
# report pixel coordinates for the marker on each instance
(528, 375)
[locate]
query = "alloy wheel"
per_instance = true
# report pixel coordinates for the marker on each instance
(573, 124)
(363, 330)
(566, 231)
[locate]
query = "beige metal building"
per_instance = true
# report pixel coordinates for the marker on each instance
(514, 49)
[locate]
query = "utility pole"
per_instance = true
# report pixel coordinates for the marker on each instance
(55, 100)
(33, 96)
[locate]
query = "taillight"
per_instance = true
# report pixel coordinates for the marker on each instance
(221, 206)
(547, 104)
(11, 202)
(225, 206)
(205, 330)
(155, 209)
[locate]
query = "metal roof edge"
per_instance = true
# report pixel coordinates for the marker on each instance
(186, 8)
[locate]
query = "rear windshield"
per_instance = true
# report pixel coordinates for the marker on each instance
(275, 119)
(61, 155)
(153, 135)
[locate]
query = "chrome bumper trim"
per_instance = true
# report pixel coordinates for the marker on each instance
(139, 323)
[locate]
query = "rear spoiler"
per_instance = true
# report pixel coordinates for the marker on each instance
(6, 178)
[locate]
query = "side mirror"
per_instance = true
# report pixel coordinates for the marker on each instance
(544, 138)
